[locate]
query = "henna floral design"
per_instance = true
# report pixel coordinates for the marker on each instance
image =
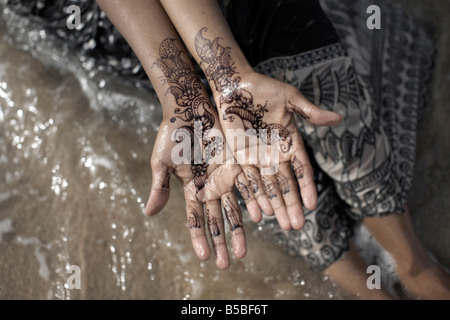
(237, 102)
(186, 87)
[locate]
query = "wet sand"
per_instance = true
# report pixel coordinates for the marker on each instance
(75, 144)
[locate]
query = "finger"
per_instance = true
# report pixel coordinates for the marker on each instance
(251, 203)
(160, 189)
(305, 178)
(312, 113)
(196, 226)
(276, 200)
(235, 224)
(256, 187)
(289, 190)
(216, 229)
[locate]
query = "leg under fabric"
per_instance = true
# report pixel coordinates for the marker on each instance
(350, 274)
(417, 271)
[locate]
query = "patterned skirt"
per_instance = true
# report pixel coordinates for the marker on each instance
(376, 78)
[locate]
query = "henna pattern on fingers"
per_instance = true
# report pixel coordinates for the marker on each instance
(193, 219)
(298, 167)
(269, 187)
(235, 101)
(233, 215)
(243, 190)
(213, 226)
(186, 87)
(282, 182)
(299, 111)
(166, 180)
(252, 182)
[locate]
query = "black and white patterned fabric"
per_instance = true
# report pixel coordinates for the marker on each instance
(378, 80)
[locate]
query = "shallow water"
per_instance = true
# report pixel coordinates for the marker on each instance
(75, 144)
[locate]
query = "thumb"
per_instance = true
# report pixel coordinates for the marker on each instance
(160, 189)
(310, 112)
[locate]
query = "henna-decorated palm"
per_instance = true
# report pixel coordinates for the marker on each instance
(264, 108)
(190, 145)
(215, 192)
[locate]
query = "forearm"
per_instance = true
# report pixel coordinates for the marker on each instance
(206, 34)
(145, 26)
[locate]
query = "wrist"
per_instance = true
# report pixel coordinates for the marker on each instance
(236, 92)
(221, 60)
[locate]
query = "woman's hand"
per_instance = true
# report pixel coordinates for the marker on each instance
(208, 186)
(190, 145)
(253, 105)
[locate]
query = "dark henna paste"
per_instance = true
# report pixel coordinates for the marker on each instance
(193, 219)
(243, 190)
(298, 111)
(219, 68)
(186, 87)
(298, 168)
(232, 213)
(282, 182)
(269, 188)
(213, 226)
(252, 182)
